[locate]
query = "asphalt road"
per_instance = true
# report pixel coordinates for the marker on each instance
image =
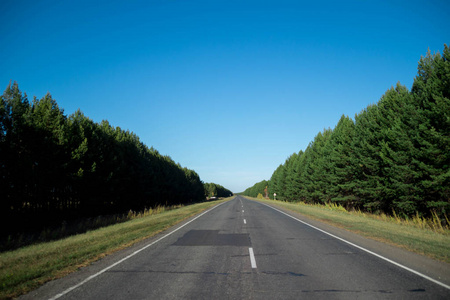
(245, 250)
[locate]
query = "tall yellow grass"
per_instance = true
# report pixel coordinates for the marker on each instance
(151, 211)
(433, 223)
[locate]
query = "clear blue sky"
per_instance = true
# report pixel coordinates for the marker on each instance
(227, 88)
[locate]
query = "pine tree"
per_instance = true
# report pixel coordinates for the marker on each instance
(431, 139)
(341, 173)
(293, 177)
(397, 151)
(48, 154)
(278, 183)
(15, 162)
(369, 177)
(314, 169)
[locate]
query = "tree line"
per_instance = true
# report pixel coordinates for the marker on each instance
(55, 167)
(216, 190)
(394, 155)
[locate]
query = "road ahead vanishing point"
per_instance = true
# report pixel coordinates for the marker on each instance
(243, 249)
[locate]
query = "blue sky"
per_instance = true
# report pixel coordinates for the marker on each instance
(227, 88)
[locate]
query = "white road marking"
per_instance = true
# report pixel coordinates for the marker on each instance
(252, 258)
(245, 222)
(242, 210)
(129, 256)
(365, 250)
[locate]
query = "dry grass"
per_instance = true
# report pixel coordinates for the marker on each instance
(434, 223)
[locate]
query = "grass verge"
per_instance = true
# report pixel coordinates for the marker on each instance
(432, 242)
(25, 269)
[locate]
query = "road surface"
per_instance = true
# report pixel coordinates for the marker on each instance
(243, 249)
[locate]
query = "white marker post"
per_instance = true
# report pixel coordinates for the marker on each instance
(274, 196)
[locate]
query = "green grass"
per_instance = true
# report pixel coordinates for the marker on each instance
(415, 234)
(25, 269)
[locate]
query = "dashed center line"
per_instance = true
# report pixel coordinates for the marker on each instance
(245, 222)
(252, 258)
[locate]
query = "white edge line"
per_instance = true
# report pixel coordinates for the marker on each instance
(129, 256)
(366, 250)
(252, 258)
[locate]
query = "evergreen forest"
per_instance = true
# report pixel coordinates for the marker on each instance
(216, 190)
(394, 156)
(55, 168)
